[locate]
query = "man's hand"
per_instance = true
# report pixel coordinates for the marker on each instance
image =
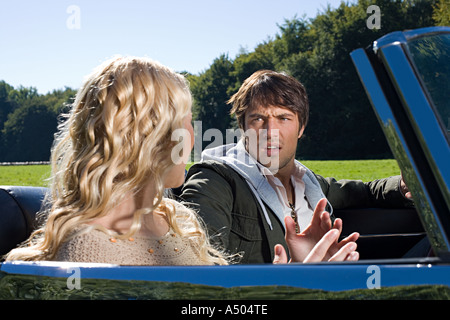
(318, 242)
(404, 189)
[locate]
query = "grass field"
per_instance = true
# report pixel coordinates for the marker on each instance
(30, 175)
(366, 170)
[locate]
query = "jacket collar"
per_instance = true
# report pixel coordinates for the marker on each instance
(237, 157)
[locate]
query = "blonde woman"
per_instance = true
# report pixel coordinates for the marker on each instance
(112, 159)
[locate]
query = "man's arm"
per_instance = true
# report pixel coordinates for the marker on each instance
(382, 193)
(206, 189)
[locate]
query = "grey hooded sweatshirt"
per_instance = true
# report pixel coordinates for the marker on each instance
(236, 157)
(242, 211)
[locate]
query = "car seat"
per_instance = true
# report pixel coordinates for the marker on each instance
(18, 208)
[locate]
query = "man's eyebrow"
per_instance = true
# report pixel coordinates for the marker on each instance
(285, 115)
(257, 115)
(281, 115)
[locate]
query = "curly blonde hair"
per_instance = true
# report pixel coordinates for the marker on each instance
(116, 136)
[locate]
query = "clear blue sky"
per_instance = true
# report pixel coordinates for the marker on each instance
(38, 48)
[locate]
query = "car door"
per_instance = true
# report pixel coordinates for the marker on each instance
(406, 77)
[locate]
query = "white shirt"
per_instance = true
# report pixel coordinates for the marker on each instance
(302, 208)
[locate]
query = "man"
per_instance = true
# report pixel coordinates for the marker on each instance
(244, 191)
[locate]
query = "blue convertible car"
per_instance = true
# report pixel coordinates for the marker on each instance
(404, 252)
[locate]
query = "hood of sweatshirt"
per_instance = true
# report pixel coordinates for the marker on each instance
(237, 157)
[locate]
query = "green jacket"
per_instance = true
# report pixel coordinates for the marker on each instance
(242, 219)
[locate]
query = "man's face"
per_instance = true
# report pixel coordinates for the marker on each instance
(272, 134)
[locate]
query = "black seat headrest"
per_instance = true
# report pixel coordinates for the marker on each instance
(18, 208)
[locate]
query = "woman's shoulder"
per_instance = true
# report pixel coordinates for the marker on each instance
(85, 244)
(96, 246)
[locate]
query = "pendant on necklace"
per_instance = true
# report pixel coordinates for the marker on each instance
(294, 217)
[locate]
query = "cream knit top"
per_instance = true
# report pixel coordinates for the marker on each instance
(97, 246)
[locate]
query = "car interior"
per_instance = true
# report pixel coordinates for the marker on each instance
(385, 233)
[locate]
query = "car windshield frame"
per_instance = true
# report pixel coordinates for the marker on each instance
(413, 129)
(433, 70)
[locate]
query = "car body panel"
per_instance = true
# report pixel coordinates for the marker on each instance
(355, 280)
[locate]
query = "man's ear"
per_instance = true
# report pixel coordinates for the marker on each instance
(300, 133)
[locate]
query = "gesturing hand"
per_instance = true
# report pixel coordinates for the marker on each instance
(318, 242)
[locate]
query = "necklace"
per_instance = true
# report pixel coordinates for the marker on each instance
(294, 216)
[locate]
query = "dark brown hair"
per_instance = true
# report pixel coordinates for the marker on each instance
(269, 88)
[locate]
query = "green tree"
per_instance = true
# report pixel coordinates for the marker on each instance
(209, 90)
(28, 133)
(59, 100)
(246, 63)
(441, 13)
(342, 121)
(28, 121)
(6, 104)
(23, 95)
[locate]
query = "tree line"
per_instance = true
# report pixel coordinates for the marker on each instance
(315, 51)
(28, 121)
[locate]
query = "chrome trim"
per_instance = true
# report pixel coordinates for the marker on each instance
(405, 36)
(382, 235)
